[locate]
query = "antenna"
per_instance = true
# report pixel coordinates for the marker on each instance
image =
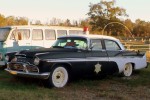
(116, 23)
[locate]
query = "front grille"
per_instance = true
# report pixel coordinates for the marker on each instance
(21, 59)
(23, 67)
(25, 60)
(17, 67)
(32, 69)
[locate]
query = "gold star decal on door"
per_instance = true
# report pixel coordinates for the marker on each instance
(97, 68)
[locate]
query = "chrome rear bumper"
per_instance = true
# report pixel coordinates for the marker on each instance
(29, 74)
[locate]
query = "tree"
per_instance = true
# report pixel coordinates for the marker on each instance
(103, 13)
(67, 23)
(10, 20)
(53, 21)
(21, 21)
(128, 23)
(2, 20)
(56, 21)
(75, 23)
(38, 22)
(84, 23)
(141, 28)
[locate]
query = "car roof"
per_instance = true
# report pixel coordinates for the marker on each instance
(40, 26)
(90, 36)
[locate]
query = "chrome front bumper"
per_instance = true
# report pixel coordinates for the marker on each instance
(29, 74)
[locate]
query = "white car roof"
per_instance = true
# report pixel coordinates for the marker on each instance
(101, 37)
(90, 36)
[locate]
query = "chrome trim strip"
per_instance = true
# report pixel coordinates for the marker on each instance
(28, 74)
(20, 55)
(77, 59)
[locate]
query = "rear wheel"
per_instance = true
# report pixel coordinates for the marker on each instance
(58, 77)
(128, 68)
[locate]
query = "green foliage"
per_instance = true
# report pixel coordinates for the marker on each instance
(11, 20)
(103, 13)
(2, 20)
(141, 28)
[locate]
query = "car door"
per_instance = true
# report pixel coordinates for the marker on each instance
(96, 58)
(113, 50)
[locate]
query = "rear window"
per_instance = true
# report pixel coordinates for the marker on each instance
(111, 45)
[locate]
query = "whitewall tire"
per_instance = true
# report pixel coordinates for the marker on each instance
(128, 68)
(59, 77)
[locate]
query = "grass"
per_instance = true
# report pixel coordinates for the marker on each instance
(110, 88)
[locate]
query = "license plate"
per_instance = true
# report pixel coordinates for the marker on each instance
(13, 72)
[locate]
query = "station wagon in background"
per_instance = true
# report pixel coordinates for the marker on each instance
(76, 56)
(16, 38)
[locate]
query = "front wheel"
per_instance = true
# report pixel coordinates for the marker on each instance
(128, 68)
(58, 77)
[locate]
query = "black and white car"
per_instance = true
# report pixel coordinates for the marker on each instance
(76, 56)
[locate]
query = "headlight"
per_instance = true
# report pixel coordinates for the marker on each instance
(36, 61)
(14, 59)
(16, 53)
(1, 56)
(7, 58)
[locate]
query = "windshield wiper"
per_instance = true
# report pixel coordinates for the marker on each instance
(57, 47)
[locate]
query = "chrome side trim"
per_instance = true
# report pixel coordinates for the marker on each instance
(44, 75)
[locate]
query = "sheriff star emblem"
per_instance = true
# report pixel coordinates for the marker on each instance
(97, 68)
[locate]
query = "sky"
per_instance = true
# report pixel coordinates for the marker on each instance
(45, 10)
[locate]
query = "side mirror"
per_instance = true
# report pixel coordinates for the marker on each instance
(91, 46)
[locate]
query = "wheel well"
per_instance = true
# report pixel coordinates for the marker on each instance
(66, 65)
(133, 65)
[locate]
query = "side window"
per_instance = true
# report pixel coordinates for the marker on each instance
(50, 34)
(96, 44)
(20, 34)
(111, 45)
(37, 34)
(61, 33)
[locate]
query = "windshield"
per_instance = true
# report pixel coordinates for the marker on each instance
(79, 43)
(4, 33)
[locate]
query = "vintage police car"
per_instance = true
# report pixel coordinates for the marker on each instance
(76, 56)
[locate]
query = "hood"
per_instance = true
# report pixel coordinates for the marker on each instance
(32, 53)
